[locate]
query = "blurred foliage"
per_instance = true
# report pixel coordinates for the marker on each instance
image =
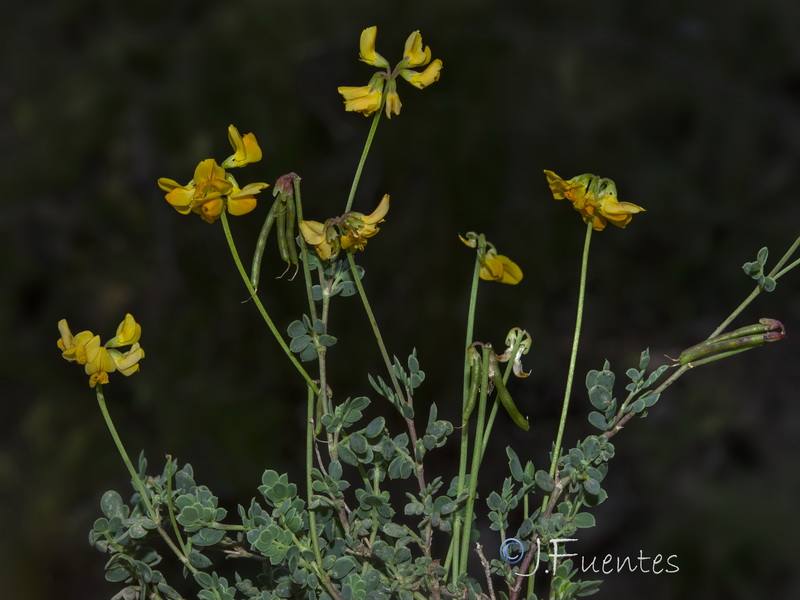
(692, 108)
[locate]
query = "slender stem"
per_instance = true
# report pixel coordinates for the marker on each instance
(260, 306)
(775, 274)
(101, 401)
(376, 330)
(312, 517)
(455, 541)
(151, 512)
(573, 357)
(476, 459)
(401, 397)
(171, 508)
(298, 201)
(363, 160)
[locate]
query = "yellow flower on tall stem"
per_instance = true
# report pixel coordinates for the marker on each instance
(595, 198)
(213, 189)
(347, 232)
(493, 266)
(382, 88)
(101, 359)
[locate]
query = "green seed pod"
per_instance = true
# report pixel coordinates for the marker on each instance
(508, 402)
(474, 383)
(261, 244)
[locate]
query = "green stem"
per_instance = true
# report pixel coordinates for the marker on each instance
(312, 519)
(476, 459)
(151, 512)
(376, 330)
(171, 508)
(298, 201)
(775, 274)
(455, 541)
(260, 306)
(573, 357)
(101, 401)
(363, 160)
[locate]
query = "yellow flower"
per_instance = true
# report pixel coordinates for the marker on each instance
(357, 227)
(424, 79)
(245, 149)
(365, 99)
(493, 266)
(382, 89)
(393, 103)
(595, 198)
(242, 201)
(128, 332)
(100, 360)
(213, 189)
(413, 53)
(179, 196)
(496, 267)
(349, 231)
(367, 49)
(322, 236)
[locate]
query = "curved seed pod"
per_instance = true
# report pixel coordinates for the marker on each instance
(291, 219)
(508, 402)
(474, 383)
(261, 244)
(280, 220)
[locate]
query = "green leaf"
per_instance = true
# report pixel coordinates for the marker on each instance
(112, 505)
(644, 359)
(308, 354)
(514, 464)
(583, 520)
(198, 561)
(327, 340)
(375, 427)
(298, 344)
(347, 455)
(600, 397)
(592, 486)
(544, 481)
(296, 329)
(342, 567)
(394, 530)
(598, 420)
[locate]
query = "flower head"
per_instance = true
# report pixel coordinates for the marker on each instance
(101, 359)
(347, 232)
(213, 189)
(382, 89)
(595, 198)
(493, 266)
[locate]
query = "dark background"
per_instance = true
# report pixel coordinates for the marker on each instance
(692, 108)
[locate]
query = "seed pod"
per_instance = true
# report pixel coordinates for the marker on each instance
(508, 402)
(261, 244)
(474, 383)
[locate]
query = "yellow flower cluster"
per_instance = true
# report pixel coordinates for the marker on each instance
(100, 360)
(213, 189)
(493, 266)
(382, 88)
(348, 232)
(595, 198)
